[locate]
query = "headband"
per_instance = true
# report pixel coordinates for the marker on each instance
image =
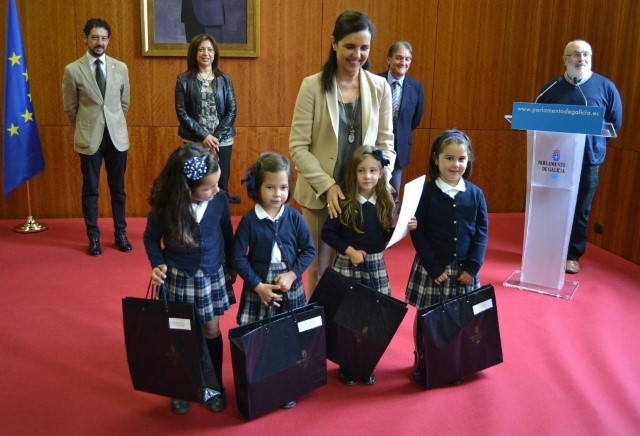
(379, 156)
(454, 134)
(250, 180)
(195, 167)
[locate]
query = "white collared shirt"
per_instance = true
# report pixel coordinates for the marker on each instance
(363, 200)
(92, 63)
(276, 255)
(400, 85)
(451, 191)
(199, 208)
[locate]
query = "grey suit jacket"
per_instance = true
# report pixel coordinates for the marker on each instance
(89, 112)
(313, 141)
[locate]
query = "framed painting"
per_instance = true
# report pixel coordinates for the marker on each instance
(169, 25)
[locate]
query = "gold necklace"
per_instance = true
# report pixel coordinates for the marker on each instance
(352, 130)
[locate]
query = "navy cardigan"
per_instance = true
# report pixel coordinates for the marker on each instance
(451, 229)
(253, 245)
(214, 233)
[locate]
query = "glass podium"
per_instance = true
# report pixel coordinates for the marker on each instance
(554, 163)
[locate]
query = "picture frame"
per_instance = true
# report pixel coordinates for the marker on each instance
(166, 23)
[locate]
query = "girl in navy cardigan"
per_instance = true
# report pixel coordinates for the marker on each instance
(187, 239)
(451, 237)
(361, 232)
(272, 244)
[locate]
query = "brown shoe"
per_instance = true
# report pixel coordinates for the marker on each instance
(572, 267)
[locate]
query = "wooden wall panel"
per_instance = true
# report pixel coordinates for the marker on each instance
(616, 206)
(474, 57)
(499, 167)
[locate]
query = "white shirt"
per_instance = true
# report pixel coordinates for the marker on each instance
(451, 191)
(199, 208)
(400, 84)
(276, 255)
(103, 66)
(371, 200)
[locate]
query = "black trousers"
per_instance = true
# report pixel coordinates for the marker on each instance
(224, 158)
(115, 162)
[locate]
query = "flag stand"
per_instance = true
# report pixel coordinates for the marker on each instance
(31, 226)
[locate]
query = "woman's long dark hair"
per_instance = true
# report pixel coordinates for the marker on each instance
(192, 54)
(170, 197)
(347, 22)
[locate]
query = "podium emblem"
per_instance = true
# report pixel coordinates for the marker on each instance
(555, 155)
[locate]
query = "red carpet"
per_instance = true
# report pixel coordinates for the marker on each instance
(570, 367)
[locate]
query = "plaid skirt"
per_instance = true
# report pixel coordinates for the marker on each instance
(251, 307)
(423, 292)
(371, 273)
(208, 293)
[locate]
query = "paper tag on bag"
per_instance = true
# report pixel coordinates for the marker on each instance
(481, 307)
(309, 324)
(179, 324)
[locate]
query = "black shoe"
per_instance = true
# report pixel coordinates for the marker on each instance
(218, 404)
(234, 199)
(123, 243)
(179, 407)
(289, 405)
(346, 378)
(371, 380)
(94, 247)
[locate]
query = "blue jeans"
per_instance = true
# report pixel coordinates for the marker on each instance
(586, 192)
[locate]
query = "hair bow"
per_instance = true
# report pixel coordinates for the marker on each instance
(250, 180)
(195, 167)
(379, 156)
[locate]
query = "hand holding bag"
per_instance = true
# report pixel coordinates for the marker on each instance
(166, 349)
(457, 338)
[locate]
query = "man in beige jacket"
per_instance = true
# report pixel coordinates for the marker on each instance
(95, 93)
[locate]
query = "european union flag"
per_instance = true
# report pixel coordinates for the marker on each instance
(23, 157)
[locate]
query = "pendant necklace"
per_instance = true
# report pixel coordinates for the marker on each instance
(206, 79)
(352, 130)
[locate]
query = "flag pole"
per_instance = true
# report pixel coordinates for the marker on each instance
(31, 226)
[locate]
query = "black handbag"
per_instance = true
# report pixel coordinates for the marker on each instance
(360, 321)
(278, 359)
(457, 338)
(166, 349)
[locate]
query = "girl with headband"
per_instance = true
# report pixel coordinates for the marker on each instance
(188, 239)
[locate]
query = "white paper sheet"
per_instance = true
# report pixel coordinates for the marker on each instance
(410, 200)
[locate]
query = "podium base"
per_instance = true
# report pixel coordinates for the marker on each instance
(566, 292)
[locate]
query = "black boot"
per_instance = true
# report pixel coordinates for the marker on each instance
(215, 351)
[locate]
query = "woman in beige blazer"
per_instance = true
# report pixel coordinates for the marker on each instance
(342, 107)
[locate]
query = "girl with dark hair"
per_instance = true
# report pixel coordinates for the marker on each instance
(451, 238)
(272, 245)
(339, 109)
(206, 104)
(363, 229)
(187, 239)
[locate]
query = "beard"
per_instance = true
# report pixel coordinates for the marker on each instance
(583, 72)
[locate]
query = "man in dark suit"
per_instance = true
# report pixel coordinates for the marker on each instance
(203, 16)
(95, 94)
(408, 107)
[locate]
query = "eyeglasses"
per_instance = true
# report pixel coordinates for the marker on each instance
(579, 54)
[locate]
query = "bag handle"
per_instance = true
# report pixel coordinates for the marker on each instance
(157, 292)
(442, 300)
